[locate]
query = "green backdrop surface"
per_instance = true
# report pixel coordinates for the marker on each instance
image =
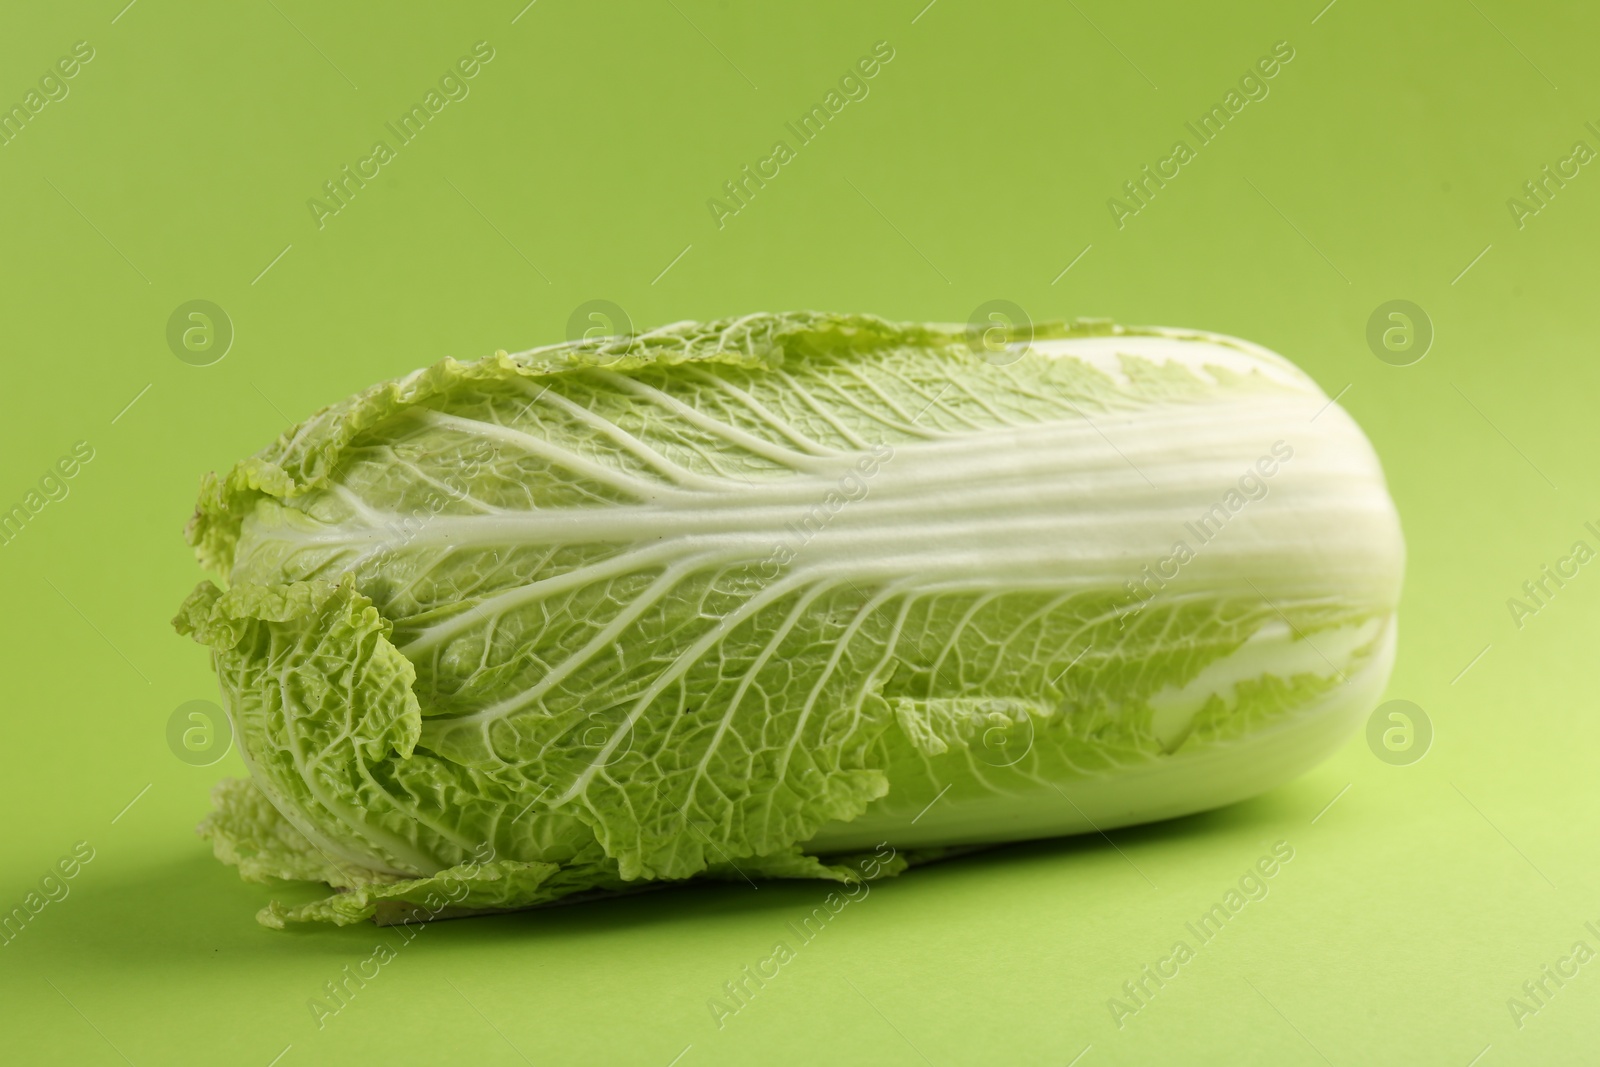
(185, 158)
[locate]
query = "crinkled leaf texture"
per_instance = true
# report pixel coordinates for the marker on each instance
(735, 599)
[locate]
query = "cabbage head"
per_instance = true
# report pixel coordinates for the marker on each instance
(755, 597)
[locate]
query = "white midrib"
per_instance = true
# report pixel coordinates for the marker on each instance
(1054, 490)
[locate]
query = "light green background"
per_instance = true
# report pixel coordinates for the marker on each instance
(978, 168)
